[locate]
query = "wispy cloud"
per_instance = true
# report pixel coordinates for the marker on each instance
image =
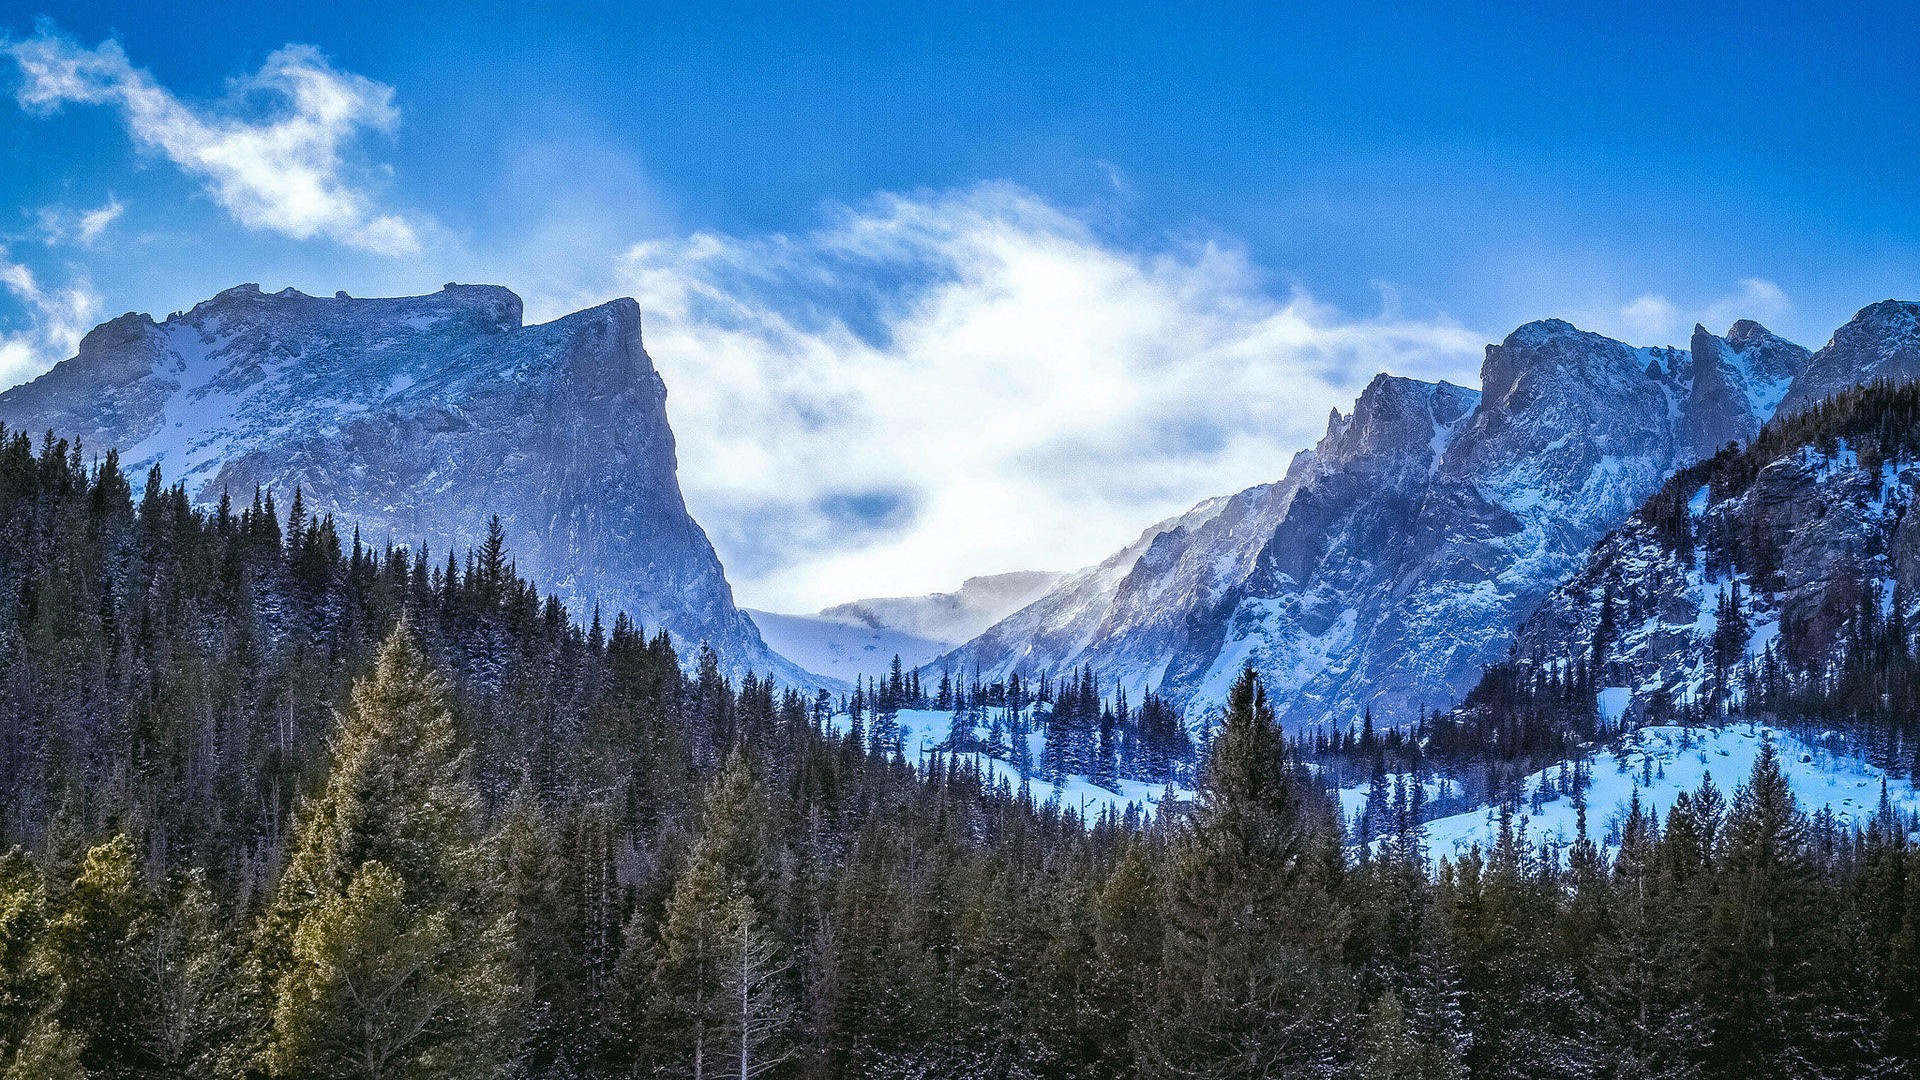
(1653, 319)
(64, 225)
(272, 154)
(938, 385)
(57, 318)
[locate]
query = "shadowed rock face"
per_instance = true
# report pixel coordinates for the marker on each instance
(1738, 382)
(415, 419)
(1128, 616)
(1398, 556)
(1837, 529)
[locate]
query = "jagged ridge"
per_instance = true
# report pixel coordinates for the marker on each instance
(1398, 556)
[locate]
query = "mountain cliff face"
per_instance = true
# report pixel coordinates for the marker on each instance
(1797, 546)
(1131, 614)
(1738, 382)
(1398, 556)
(415, 419)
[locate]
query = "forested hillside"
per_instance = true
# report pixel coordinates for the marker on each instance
(283, 806)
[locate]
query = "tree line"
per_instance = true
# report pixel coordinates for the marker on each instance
(284, 805)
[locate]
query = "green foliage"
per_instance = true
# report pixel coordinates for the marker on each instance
(98, 948)
(396, 963)
(46, 1052)
(1389, 1049)
(380, 988)
(1252, 983)
(716, 995)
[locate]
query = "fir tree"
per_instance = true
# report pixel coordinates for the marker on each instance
(1253, 984)
(97, 947)
(710, 934)
(382, 950)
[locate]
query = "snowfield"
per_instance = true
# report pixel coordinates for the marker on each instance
(922, 730)
(1661, 762)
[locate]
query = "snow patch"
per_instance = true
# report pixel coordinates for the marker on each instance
(1659, 763)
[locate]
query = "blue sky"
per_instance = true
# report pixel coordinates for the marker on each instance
(934, 207)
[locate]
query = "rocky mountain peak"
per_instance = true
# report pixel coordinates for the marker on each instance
(1738, 382)
(416, 418)
(480, 308)
(1548, 351)
(115, 337)
(1746, 333)
(1881, 341)
(1394, 425)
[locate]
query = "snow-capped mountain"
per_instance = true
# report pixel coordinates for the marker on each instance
(1826, 525)
(1881, 342)
(847, 641)
(1738, 382)
(414, 419)
(1397, 557)
(1129, 615)
(839, 650)
(955, 616)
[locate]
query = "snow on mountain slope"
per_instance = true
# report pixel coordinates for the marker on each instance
(840, 649)
(1658, 763)
(1399, 555)
(1738, 382)
(1881, 341)
(1309, 614)
(1130, 614)
(1833, 527)
(950, 617)
(416, 418)
(922, 731)
(1795, 533)
(862, 637)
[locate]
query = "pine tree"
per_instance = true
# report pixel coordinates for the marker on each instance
(192, 979)
(45, 1051)
(541, 961)
(1777, 1004)
(1253, 983)
(97, 948)
(382, 951)
(25, 985)
(1128, 941)
(1389, 1049)
(494, 570)
(1641, 963)
(755, 1010)
(378, 989)
(725, 879)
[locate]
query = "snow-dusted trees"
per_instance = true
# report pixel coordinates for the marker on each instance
(717, 997)
(527, 848)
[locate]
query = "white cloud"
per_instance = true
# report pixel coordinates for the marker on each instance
(1756, 299)
(271, 154)
(1650, 318)
(1653, 319)
(57, 318)
(935, 386)
(61, 225)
